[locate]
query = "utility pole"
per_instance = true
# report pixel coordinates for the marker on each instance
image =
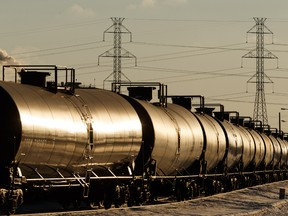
(117, 52)
(260, 53)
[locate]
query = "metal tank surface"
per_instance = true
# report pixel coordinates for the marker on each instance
(277, 150)
(283, 145)
(95, 128)
(269, 152)
(235, 144)
(178, 138)
(249, 147)
(285, 152)
(215, 146)
(191, 135)
(260, 148)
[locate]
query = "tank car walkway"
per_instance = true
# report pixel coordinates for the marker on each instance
(260, 200)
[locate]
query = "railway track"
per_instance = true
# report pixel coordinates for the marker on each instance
(262, 200)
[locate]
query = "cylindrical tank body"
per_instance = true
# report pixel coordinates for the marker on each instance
(260, 148)
(235, 144)
(177, 136)
(277, 150)
(285, 162)
(269, 149)
(69, 131)
(248, 146)
(283, 145)
(191, 136)
(215, 140)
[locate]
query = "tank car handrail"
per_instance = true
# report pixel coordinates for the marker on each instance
(162, 96)
(82, 178)
(214, 174)
(38, 173)
(261, 125)
(54, 68)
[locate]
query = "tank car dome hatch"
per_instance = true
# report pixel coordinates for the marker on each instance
(222, 115)
(34, 78)
(237, 121)
(141, 93)
(183, 101)
(206, 110)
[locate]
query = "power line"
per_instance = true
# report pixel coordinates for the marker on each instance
(191, 20)
(202, 48)
(58, 48)
(224, 47)
(62, 52)
(215, 74)
(242, 101)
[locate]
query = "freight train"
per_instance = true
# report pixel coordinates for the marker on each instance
(105, 148)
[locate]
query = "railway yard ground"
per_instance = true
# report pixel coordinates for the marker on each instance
(260, 200)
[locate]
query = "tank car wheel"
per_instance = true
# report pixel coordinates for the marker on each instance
(96, 205)
(196, 190)
(218, 187)
(118, 196)
(93, 205)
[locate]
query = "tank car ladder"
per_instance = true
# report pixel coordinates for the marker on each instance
(87, 118)
(177, 129)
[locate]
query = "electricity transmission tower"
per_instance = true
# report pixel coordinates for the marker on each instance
(260, 53)
(117, 52)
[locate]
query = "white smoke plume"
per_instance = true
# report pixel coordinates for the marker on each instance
(5, 59)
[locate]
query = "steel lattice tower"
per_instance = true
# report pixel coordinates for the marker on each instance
(260, 110)
(117, 52)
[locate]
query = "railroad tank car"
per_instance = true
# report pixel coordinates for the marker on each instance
(215, 141)
(50, 130)
(234, 143)
(249, 147)
(269, 149)
(260, 148)
(283, 145)
(111, 146)
(277, 151)
(177, 137)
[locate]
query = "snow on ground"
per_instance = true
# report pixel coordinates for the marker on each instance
(260, 200)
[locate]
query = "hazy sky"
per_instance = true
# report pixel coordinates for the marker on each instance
(195, 47)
